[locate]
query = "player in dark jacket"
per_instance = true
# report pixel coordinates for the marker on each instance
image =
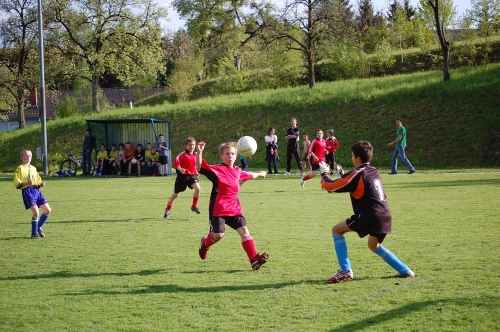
(371, 213)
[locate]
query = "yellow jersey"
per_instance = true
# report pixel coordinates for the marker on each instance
(102, 155)
(53, 169)
(155, 156)
(113, 154)
(24, 173)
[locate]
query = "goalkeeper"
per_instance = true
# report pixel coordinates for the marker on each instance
(371, 212)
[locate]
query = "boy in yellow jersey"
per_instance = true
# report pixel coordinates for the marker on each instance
(102, 158)
(29, 181)
(147, 159)
(155, 156)
(55, 172)
(113, 155)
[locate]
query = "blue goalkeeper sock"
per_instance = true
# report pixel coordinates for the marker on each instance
(42, 220)
(34, 225)
(392, 260)
(341, 251)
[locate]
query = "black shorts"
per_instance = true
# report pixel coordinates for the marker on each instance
(163, 160)
(314, 167)
(184, 181)
(306, 157)
(217, 224)
(362, 229)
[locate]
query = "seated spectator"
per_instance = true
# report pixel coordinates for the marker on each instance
(54, 170)
(117, 162)
(113, 154)
(102, 158)
(155, 156)
(128, 155)
(139, 157)
(146, 164)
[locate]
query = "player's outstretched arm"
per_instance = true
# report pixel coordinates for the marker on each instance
(261, 173)
(199, 156)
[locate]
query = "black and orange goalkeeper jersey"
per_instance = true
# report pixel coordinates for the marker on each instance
(367, 196)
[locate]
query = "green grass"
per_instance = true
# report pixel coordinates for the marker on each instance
(110, 262)
(452, 124)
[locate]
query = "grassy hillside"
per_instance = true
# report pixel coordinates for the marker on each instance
(449, 124)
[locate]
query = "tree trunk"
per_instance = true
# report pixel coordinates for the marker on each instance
(20, 115)
(310, 69)
(446, 63)
(20, 107)
(95, 93)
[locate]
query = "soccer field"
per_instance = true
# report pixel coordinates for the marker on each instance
(111, 262)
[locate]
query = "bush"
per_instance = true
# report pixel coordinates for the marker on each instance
(67, 108)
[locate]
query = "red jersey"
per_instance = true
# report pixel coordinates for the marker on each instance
(187, 161)
(226, 182)
(318, 148)
(332, 144)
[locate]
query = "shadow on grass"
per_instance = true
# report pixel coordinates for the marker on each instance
(181, 289)
(401, 312)
(111, 220)
(67, 274)
(434, 184)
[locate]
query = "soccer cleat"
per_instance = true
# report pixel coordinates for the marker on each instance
(341, 276)
(41, 233)
(34, 236)
(411, 172)
(287, 173)
(408, 273)
(259, 260)
(302, 183)
(195, 209)
(203, 251)
(340, 170)
(167, 214)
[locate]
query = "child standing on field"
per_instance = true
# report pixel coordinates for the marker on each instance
(332, 144)
(26, 179)
(306, 163)
(163, 150)
(371, 212)
(316, 155)
(187, 176)
(225, 208)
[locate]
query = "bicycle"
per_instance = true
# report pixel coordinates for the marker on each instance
(73, 163)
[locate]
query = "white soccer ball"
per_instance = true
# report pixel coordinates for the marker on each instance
(134, 161)
(246, 146)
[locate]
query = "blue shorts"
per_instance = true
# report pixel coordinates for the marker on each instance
(33, 196)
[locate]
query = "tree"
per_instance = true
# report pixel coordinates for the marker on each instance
(400, 30)
(114, 36)
(18, 38)
(441, 33)
(315, 20)
(447, 14)
(486, 15)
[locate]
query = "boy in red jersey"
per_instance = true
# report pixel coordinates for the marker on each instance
(316, 155)
(332, 144)
(225, 208)
(187, 176)
(371, 213)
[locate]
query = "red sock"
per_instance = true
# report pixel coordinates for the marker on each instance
(249, 246)
(169, 206)
(195, 200)
(305, 178)
(209, 241)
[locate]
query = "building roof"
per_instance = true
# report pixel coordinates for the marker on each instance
(117, 97)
